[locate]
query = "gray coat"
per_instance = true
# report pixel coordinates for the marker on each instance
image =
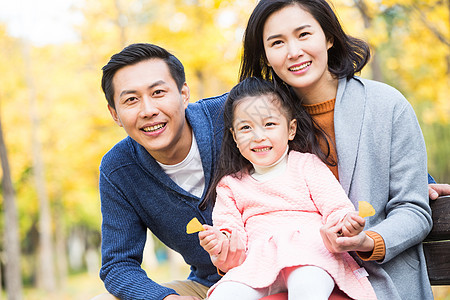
(382, 159)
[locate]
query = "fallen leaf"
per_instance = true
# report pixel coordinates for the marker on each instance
(194, 226)
(366, 209)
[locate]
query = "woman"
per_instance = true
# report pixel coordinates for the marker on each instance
(374, 138)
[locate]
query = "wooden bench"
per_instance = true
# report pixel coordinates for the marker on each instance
(437, 243)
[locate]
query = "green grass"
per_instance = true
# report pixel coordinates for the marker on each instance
(84, 286)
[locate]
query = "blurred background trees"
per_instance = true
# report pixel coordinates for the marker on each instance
(56, 126)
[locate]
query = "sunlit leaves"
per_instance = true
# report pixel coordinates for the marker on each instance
(410, 38)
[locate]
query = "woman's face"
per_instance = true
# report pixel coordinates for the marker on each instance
(296, 49)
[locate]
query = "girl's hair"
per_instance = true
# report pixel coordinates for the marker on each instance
(346, 57)
(231, 161)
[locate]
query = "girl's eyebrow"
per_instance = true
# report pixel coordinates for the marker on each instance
(272, 117)
(275, 36)
(237, 122)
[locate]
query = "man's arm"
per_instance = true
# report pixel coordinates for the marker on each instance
(123, 240)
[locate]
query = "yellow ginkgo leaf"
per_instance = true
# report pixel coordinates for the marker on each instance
(194, 226)
(366, 209)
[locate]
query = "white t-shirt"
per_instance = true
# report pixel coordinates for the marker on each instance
(188, 174)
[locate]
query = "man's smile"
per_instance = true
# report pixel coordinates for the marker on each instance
(154, 127)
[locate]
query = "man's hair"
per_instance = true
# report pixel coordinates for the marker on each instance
(134, 54)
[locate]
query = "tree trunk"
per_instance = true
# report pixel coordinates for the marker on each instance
(61, 249)
(11, 239)
(121, 23)
(46, 275)
(375, 62)
(448, 44)
(201, 84)
(150, 261)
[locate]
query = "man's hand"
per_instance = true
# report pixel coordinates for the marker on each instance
(231, 253)
(176, 297)
(436, 190)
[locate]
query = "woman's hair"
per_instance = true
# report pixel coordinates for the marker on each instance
(346, 57)
(231, 161)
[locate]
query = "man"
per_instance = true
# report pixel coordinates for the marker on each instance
(157, 176)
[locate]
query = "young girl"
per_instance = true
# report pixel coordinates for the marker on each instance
(379, 147)
(275, 201)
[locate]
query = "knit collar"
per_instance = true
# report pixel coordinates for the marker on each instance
(320, 108)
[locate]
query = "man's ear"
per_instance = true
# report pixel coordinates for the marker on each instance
(185, 94)
(292, 129)
(114, 115)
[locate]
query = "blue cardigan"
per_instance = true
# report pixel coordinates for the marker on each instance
(136, 194)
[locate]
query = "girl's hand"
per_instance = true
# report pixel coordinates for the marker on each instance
(352, 224)
(232, 253)
(211, 239)
(332, 235)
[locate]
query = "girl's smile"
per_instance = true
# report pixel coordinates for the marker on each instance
(261, 130)
(261, 149)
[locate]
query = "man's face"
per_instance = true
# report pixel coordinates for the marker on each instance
(151, 109)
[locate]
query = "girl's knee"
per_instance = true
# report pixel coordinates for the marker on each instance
(309, 280)
(236, 290)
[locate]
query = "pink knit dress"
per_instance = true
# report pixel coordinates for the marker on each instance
(279, 221)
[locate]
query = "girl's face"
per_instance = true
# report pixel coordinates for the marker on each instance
(261, 130)
(296, 49)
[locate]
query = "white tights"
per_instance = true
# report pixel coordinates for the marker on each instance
(305, 282)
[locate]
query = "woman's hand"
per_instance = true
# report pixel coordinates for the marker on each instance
(333, 237)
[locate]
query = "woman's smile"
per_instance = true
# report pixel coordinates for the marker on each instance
(297, 51)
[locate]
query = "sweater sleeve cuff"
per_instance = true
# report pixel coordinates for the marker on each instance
(220, 272)
(379, 248)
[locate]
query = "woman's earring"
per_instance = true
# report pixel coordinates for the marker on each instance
(272, 74)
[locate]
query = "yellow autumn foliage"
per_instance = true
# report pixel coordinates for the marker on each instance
(410, 38)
